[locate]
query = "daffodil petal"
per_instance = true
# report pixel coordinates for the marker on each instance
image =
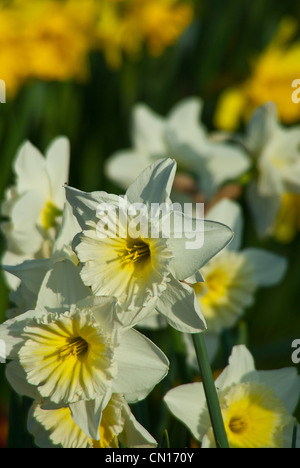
(134, 435)
(269, 268)
(190, 254)
(30, 166)
(187, 402)
(141, 366)
(57, 163)
(154, 184)
(178, 304)
(229, 213)
(87, 414)
(85, 205)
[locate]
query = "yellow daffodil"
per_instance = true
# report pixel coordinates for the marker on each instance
(51, 40)
(267, 82)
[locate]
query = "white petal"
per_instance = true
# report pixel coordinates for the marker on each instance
(190, 254)
(229, 213)
(62, 287)
(179, 305)
(148, 128)
(141, 364)
(16, 376)
(30, 167)
(184, 121)
(154, 185)
(69, 229)
(134, 434)
(241, 365)
(285, 383)
(31, 272)
(264, 209)
(269, 268)
(224, 163)
(11, 330)
(85, 205)
(57, 164)
(87, 414)
(187, 402)
(124, 167)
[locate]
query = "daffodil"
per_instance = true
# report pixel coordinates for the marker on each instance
(80, 354)
(52, 282)
(230, 281)
(257, 406)
(232, 277)
(182, 136)
(46, 40)
(34, 206)
(142, 259)
(123, 27)
(274, 196)
(56, 427)
(266, 82)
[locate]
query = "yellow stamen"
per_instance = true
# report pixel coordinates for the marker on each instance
(75, 347)
(49, 215)
(135, 253)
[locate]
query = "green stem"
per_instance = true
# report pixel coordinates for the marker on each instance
(210, 391)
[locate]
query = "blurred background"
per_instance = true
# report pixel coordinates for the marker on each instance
(77, 68)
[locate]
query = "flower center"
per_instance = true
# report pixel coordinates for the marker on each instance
(74, 348)
(49, 215)
(237, 425)
(253, 416)
(137, 252)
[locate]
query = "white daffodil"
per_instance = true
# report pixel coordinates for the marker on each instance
(142, 259)
(232, 277)
(183, 137)
(257, 406)
(230, 281)
(56, 427)
(52, 282)
(80, 355)
(274, 197)
(34, 205)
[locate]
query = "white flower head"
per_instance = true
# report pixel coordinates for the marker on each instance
(144, 269)
(257, 406)
(34, 205)
(57, 428)
(80, 354)
(183, 137)
(276, 156)
(232, 277)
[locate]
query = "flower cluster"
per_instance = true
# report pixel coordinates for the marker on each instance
(70, 337)
(52, 40)
(89, 271)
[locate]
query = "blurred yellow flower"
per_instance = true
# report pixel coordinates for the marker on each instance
(271, 78)
(288, 218)
(48, 40)
(51, 40)
(124, 25)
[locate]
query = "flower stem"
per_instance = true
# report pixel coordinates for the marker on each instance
(210, 391)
